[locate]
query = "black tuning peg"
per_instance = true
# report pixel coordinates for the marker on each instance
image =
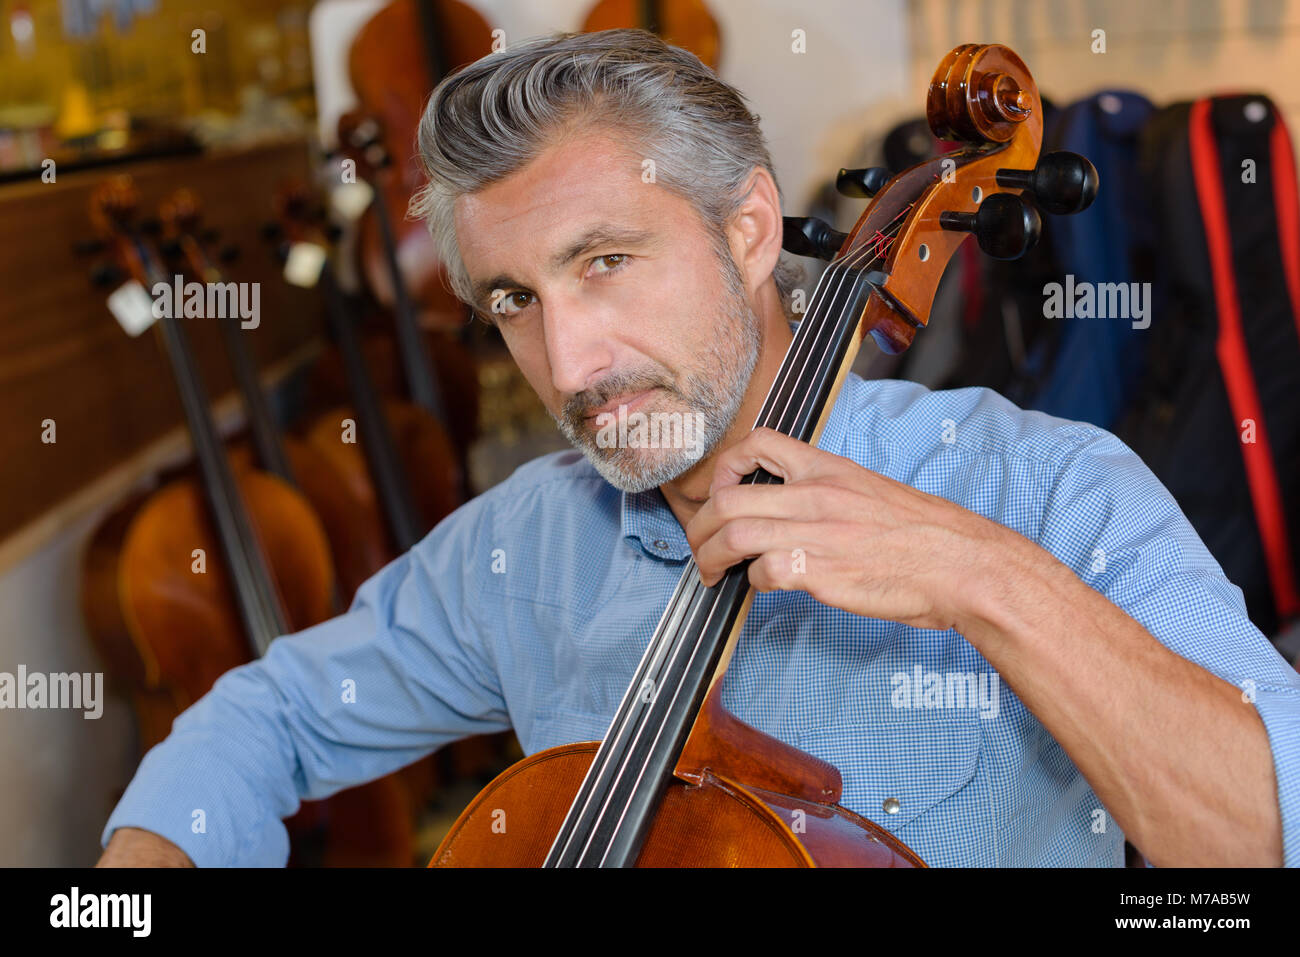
(1005, 225)
(271, 231)
(862, 183)
(1062, 183)
(808, 236)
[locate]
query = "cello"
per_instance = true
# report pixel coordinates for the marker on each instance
(683, 23)
(181, 621)
(456, 408)
(356, 545)
(677, 779)
(397, 57)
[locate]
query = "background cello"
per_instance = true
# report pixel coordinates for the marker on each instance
(203, 574)
(396, 59)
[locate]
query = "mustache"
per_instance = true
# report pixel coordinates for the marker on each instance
(583, 403)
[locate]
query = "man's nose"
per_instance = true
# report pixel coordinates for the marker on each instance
(578, 344)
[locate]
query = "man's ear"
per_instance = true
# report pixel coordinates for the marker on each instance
(755, 231)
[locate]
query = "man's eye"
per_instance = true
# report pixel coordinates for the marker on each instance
(509, 303)
(613, 262)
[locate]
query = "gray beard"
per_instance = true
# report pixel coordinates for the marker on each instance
(716, 390)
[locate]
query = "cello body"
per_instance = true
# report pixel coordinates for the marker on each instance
(716, 822)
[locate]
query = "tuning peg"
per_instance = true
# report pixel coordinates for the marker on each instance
(1062, 183)
(228, 253)
(1005, 225)
(862, 183)
(808, 236)
(271, 231)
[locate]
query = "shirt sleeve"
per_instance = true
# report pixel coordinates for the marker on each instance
(402, 673)
(1111, 520)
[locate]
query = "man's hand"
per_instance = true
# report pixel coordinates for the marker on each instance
(850, 537)
(133, 847)
(1174, 754)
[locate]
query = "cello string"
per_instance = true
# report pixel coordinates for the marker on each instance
(876, 250)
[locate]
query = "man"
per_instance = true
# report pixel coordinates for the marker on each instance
(999, 626)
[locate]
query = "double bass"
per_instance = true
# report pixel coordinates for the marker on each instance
(677, 779)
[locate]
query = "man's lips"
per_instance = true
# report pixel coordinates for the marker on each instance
(612, 407)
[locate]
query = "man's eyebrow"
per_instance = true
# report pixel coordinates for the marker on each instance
(602, 235)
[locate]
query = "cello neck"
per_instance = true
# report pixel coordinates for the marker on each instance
(650, 16)
(259, 604)
(431, 35)
(385, 465)
(267, 441)
(421, 377)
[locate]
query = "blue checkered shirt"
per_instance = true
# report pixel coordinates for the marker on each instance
(530, 606)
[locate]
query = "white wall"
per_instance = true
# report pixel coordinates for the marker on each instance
(61, 772)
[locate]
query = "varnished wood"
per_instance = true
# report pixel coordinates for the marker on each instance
(715, 823)
(682, 23)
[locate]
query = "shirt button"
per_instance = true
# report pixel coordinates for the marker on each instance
(660, 543)
(892, 806)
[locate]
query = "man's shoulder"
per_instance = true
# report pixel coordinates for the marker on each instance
(915, 421)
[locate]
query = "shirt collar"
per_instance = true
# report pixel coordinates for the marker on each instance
(650, 525)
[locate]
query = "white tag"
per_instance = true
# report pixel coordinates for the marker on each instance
(304, 264)
(350, 200)
(131, 307)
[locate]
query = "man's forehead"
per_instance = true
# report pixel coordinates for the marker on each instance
(580, 193)
(586, 175)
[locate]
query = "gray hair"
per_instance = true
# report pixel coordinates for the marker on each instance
(490, 119)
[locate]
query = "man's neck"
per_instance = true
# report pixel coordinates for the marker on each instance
(690, 490)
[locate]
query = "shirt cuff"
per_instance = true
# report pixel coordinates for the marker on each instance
(1279, 709)
(186, 792)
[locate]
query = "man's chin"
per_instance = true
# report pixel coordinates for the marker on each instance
(634, 472)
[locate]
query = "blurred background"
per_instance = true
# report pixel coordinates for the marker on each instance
(270, 143)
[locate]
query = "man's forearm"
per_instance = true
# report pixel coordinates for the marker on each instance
(1180, 760)
(133, 847)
